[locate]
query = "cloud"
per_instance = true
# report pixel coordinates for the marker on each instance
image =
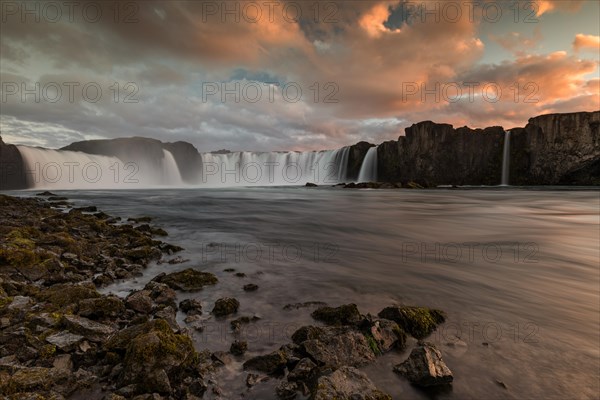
(545, 6)
(586, 42)
(517, 42)
(362, 55)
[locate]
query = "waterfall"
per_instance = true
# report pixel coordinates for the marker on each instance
(64, 169)
(275, 168)
(506, 159)
(61, 169)
(368, 169)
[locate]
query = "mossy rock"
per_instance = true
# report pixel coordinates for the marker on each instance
(347, 314)
(18, 248)
(68, 294)
(225, 306)
(101, 307)
(187, 280)
(34, 379)
(156, 359)
(419, 322)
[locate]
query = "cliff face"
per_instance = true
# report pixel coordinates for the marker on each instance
(355, 158)
(437, 154)
(12, 169)
(150, 151)
(557, 149)
(552, 149)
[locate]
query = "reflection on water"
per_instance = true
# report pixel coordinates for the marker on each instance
(516, 270)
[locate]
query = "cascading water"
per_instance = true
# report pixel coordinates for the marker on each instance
(506, 159)
(276, 168)
(368, 169)
(60, 169)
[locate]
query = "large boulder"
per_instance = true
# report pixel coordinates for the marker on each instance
(158, 361)
(347, 383)
(334, 348)
(425, 367)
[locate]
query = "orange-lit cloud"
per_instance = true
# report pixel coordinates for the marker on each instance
(586, 42)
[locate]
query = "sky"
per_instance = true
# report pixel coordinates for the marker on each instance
(272, 75)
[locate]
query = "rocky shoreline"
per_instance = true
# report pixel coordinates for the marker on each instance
(61, 338)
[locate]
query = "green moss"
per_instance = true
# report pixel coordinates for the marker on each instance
(419, 322)
(5, 301)
(47, 351)
(18, 248)
(373, 344)
(189, 279)
(68, 294)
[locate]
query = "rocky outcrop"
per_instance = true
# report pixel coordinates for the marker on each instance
(149, 150)
(551, 149)
(355, 158)
(12, 169)
(436, 154)
(557, 149)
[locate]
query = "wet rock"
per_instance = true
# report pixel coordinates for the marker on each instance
(310, 184)
(91, 330)
(286, 390)
(348, 383)
(297, 306)
(236, 324)
(225, 306)
(221, 358)
(419, 322)
(140, 301)
(187, 280)
(335, 348)
(240, 274)
(343, 315)
(191, 306)
(250, 287)
(162, 294)
(140, 219)
(169, 314)
(101, 308)
(65, 341)
(386, 335)
(254, 379)
(425, 367)
(303, 371)
(157, 361)
(45, 194)
(90, 209)
(238, 348)
(271, 364)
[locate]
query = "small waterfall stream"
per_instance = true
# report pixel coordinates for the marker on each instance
(368, 169)
(506, 159)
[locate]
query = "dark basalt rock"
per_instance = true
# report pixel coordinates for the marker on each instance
(225, 306)
(187, 280)
(271, 364)
(419, 322)
(238, 348)
(12, 168)
(348, 383)
(343, 315)
(425, 367)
